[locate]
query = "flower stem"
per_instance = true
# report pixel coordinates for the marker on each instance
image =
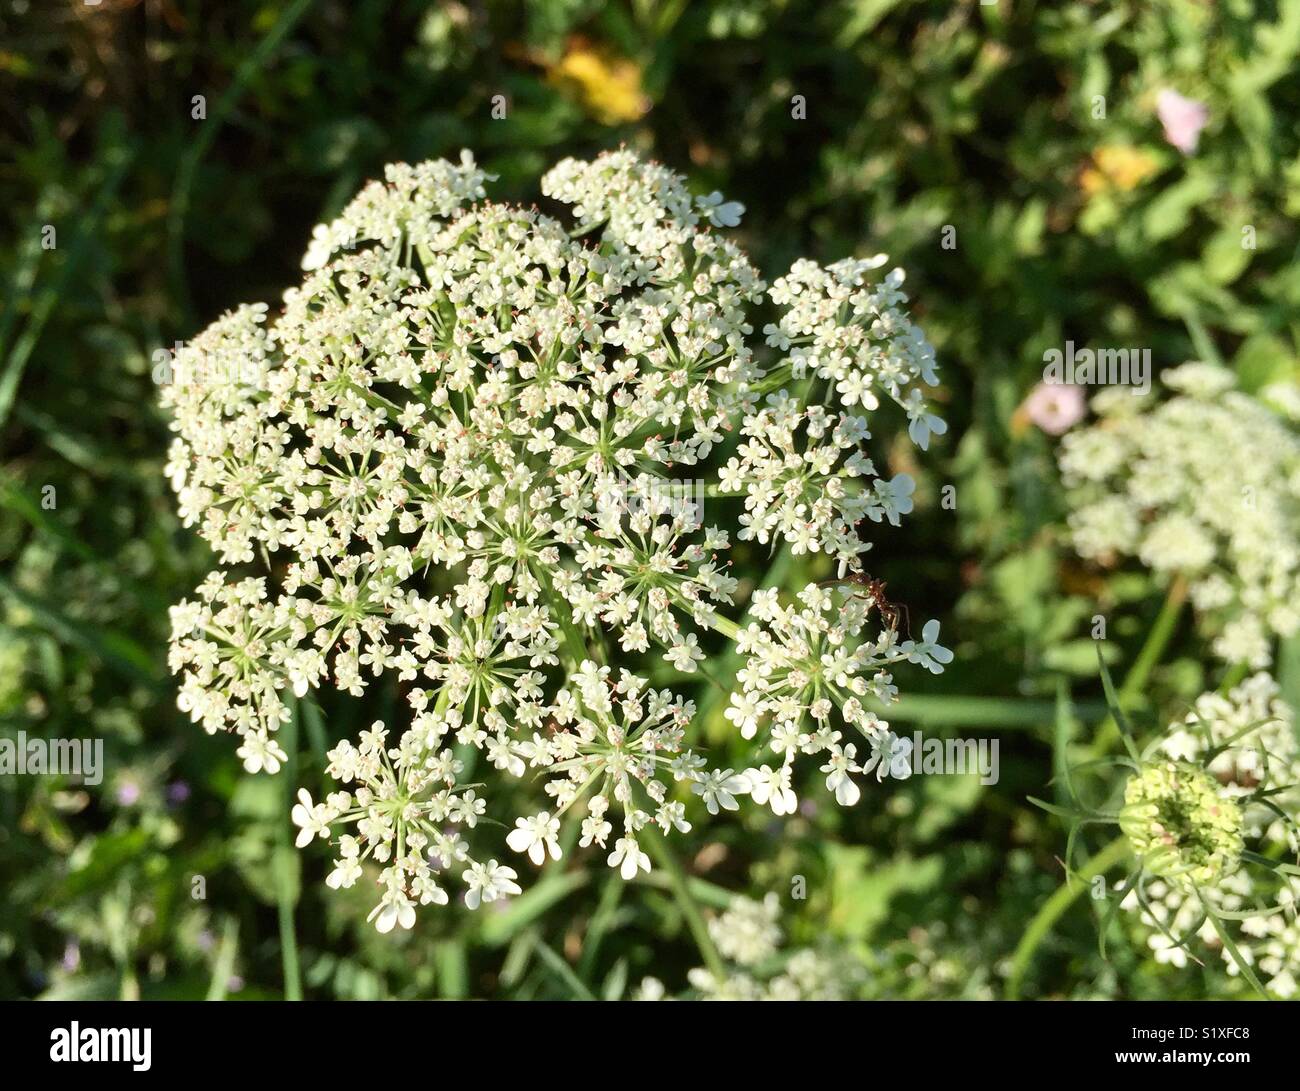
(289, 946)
(1041, 926)
(574, 641)
(1162, 629)
(1233, 677)
(224, 964)
(689, 906)
(725, 626)
(286, 894)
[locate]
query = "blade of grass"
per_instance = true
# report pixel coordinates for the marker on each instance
(24, 272)
(601, 923)
(453, 969)
(115, 649)
(962, 710)
(1243, 967)
(26, 343)
(1052, 909)
(314, 724)
(207, 133)
(703, 891)
(555, 962)
(1162, 629)
(1116, 709)
(1205, 347)
(502, 927)
(1063, 729)
(686, 902)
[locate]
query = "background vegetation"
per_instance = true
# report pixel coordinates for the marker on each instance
(1069, 225)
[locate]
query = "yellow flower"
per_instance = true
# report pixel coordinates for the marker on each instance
(609, 86)
(1118, 166)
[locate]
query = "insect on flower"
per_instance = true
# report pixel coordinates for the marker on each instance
(874, 591)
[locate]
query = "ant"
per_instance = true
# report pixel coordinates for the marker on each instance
(874, 590)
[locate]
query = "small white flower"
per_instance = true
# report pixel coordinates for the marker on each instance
(838, 768)
(395, 909)
(772, 786)
(488, 883)
(261, 753)
(928, 653)
(890, 755)
(720, 213)
(628, 858)
(313, 820)
(536, 836)
(719, 789)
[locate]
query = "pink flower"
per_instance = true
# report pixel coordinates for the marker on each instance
(1183, 119)
(1055, 407)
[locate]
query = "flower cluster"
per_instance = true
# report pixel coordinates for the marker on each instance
(801, 468)
(837, 325)
(1179, 825)
(748, 937)
(453, 449)
(1234, 763)
(1204, 484)
(804, 664)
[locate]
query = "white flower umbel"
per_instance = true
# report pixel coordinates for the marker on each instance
(838, 325)
(455, 447)
(1205, 484)
(811, 672)
(749, 938)
(1246, 741)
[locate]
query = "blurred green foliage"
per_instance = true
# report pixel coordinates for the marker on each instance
(845, 127)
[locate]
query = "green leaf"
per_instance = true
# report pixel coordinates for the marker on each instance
(1116, 711)
(1262, 359)
(499, 928)
(1170, 211)
(1229, 945)
(863, 18)
(563, 972)
(1224, 256)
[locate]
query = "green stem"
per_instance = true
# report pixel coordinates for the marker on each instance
(1041, 926)
(224, 964)
(1152, 649)
(725, 626)
(289, 948)
(574, 641)
(285, 894)
(686, 901)
(1233, 677)
(130, 983)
